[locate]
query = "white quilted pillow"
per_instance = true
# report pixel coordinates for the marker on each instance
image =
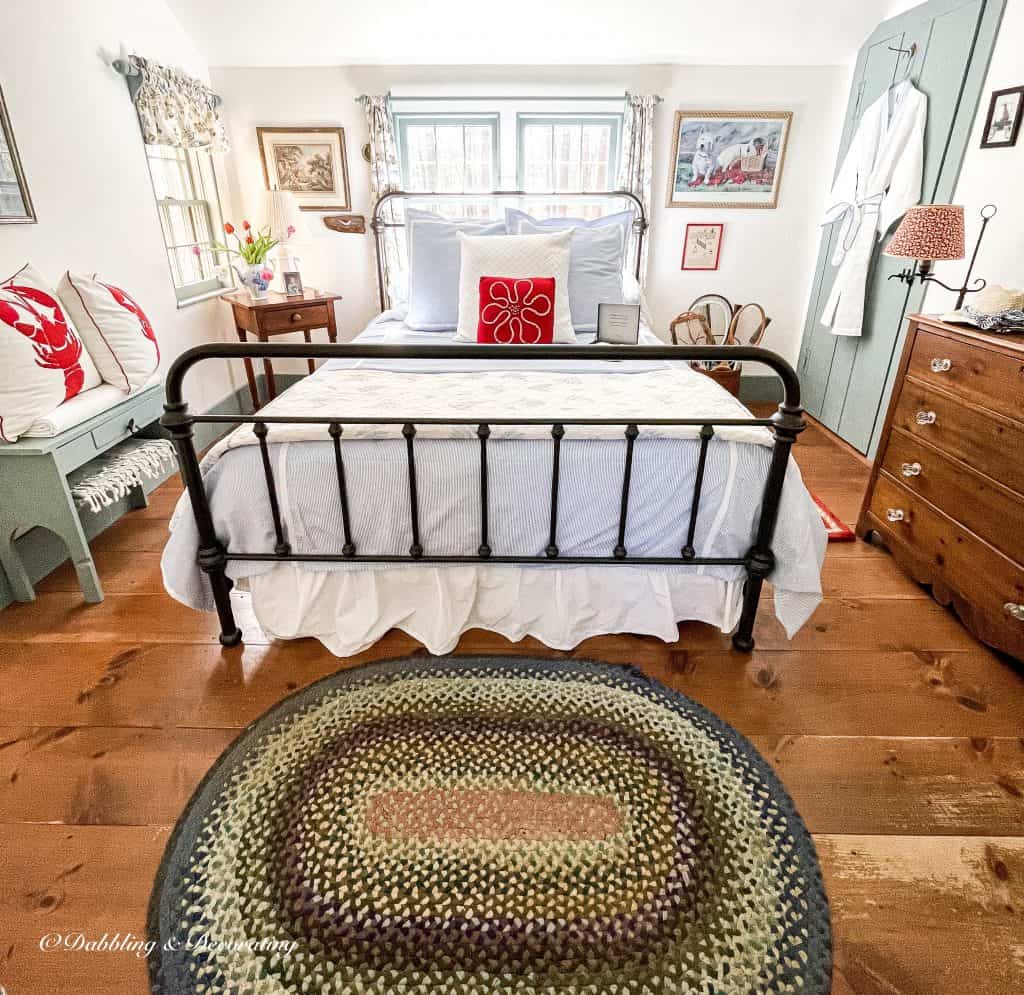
(513, 256)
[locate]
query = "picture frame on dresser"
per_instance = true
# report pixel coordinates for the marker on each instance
(946, 491)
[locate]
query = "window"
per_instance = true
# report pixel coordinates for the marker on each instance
(568, 154)
(449, 154)
(189, 208)
(476, 144)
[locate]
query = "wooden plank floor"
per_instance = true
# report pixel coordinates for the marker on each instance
(900, 738)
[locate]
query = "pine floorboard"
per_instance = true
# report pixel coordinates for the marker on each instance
(899, 736)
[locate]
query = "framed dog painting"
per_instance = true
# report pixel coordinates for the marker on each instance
(728, 158)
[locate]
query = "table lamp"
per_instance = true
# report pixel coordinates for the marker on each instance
(286, 225)
(931, 232)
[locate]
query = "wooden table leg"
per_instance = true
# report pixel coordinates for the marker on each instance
(332, 325)
(268, 372)
(307, 337)
(250, 374)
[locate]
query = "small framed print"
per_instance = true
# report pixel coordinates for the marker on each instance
(618, 324)
(292, 284)
(702, 246)
(1002, 125)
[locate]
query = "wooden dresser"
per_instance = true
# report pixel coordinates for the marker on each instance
(946, 494)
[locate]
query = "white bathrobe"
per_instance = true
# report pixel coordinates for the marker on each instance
(879, 179)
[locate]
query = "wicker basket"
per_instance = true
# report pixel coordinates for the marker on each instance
(724, 377)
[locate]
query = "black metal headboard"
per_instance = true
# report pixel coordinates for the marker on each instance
(379, 225)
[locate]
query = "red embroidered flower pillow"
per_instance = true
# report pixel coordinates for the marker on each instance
(114, 328)
(42, 359)
(516, 311)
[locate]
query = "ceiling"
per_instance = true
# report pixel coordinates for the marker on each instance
(528, 32)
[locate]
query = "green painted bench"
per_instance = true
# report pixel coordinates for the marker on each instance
(35, 486)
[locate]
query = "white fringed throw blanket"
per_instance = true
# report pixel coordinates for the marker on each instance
(125, 466)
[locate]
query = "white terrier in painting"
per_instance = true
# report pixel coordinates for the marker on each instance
(704, 156)
(742, 150)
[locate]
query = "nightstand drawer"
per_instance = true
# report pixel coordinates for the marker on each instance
(298, 317)
(939, 551)
(988, 443)
(987, 378)
(987, 508)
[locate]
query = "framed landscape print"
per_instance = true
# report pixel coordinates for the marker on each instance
(15, 203)
(309, 162)
(1003, 122)
(702, 245)
(728, 158)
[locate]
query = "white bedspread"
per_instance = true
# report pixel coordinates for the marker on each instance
(349, 605)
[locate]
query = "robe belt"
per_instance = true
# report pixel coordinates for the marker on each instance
(852, 217)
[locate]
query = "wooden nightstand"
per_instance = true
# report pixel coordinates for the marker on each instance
(278, 315)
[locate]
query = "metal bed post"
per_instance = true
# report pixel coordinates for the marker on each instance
(788, 422)
(212, 556)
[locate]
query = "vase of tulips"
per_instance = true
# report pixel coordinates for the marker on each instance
(254, 269)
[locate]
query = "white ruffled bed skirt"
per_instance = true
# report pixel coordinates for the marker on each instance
(561, 606)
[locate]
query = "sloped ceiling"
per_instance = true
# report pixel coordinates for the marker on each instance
(525, 32)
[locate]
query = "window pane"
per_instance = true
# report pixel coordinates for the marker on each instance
(566, 146)
(450, 159)
(536, 155)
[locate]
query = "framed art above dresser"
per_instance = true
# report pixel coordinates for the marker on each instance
(946, 493)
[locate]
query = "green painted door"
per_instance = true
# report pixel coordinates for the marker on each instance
(847, 381)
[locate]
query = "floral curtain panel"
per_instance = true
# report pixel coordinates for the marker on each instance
(177, 110)
(386, 176)
(637, 160)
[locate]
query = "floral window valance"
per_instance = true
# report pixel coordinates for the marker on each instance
(176, 109)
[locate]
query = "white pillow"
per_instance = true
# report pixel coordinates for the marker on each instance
(43, 361)
(114, 328)
(513, 256)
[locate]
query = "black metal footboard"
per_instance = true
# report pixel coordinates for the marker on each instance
(213, 556)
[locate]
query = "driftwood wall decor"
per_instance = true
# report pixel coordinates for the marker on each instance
(354, 224)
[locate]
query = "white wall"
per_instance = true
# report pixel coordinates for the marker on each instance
(767, 256)
(991, 176)
(83, 157)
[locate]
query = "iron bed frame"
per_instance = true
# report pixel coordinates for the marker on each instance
(213, 556)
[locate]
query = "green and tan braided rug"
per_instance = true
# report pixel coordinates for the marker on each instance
(491, 825)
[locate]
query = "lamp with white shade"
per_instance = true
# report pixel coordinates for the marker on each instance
(287, 226)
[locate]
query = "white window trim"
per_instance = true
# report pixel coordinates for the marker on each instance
(192, 293)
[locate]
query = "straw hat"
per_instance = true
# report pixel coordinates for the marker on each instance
(991, 301)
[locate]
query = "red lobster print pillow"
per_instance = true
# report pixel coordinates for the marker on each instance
(114, 328)
(43, 361)
(516, 310)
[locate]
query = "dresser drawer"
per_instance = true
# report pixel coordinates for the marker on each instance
(991, 444)
(298, 317)
(941, 552)
(988, 378)
(982, 505)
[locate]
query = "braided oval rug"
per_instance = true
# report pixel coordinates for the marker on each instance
(490, 825)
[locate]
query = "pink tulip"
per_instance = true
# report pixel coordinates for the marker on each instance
(291, 231)
(266, 275)
(196, 251)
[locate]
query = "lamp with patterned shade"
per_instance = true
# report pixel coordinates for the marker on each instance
(931, 232)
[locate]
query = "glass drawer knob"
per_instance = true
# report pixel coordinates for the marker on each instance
(911, 469)
(1014, 611)
(926, 418)
(895, 514)
(941, 365)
